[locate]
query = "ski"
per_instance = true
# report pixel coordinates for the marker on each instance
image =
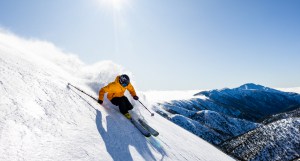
(149, 128)
(144, 131)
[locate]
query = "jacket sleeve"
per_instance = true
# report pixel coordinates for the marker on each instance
(131, 90)
(102, 91)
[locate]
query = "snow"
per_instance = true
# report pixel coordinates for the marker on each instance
(252, 86)
(43, 119)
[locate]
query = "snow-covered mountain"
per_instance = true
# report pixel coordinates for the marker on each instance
(278, 140)
(252, 102)
(43, 119)
(232, 119)
(249, 102)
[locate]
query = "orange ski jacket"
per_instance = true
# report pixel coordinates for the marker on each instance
(115, 89)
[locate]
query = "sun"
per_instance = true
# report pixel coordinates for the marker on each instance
(116, 5)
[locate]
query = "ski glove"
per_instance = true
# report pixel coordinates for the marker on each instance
(136, 97)
(100, 102)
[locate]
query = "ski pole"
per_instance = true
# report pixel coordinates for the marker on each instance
(152, 114)
(82, 91)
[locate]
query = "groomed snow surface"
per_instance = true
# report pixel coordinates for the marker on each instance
(43, 119)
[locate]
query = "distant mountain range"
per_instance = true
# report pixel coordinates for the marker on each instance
(251, 122)
(252, 102)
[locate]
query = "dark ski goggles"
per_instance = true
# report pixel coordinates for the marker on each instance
(124, 84)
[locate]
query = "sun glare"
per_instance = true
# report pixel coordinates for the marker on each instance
(116, 5)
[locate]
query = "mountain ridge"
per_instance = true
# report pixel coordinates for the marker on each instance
(219, 115)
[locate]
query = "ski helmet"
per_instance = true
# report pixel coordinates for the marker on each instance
(124, 80)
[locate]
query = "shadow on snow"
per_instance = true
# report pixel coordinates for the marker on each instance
(117, 144)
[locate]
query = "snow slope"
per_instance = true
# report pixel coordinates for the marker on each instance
(42, 119)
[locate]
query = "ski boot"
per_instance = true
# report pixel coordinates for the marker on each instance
(128, 116)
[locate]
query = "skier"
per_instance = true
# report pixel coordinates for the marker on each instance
(116, 92)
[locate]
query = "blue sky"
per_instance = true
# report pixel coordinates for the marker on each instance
(172, 44)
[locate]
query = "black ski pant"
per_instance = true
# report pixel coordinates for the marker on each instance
(123, 103)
